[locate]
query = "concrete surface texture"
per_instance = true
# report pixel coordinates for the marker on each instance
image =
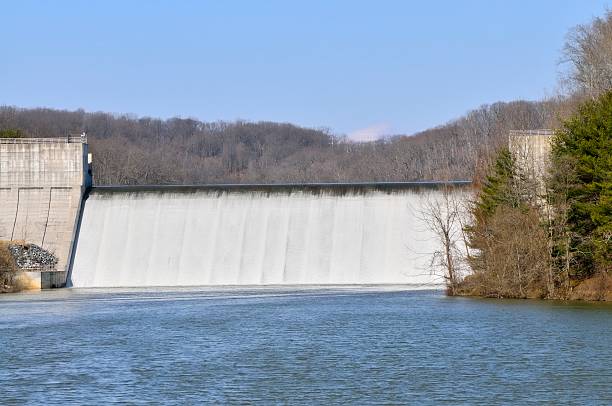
(41, 184)
(531, 149)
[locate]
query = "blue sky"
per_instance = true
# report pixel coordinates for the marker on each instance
(361, 68)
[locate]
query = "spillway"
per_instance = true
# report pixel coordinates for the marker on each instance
(253, 236)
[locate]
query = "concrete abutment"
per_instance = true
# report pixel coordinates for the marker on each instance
(42, 182)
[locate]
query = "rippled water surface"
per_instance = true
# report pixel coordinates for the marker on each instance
(302, 345)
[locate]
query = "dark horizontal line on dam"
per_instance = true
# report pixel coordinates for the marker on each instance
(341, 187)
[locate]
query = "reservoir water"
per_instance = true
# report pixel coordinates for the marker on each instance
(300, 345)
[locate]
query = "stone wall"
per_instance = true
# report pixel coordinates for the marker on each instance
(42, 181)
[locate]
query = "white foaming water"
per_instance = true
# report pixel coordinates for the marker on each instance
(173, 238)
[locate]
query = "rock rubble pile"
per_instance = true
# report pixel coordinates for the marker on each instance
(31, 256)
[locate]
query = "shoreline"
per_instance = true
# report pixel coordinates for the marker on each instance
(597, 289)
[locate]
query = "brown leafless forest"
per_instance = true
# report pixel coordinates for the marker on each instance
(141, 150)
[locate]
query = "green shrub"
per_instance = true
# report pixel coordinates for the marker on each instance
(11, 133)
(7, 266)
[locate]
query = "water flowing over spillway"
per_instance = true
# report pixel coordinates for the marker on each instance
(203, 237)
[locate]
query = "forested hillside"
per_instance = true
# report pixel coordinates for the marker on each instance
(133, 150)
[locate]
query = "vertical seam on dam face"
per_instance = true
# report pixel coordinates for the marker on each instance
(286, 246)
(16, 215)
(42, 243)
(241, 263)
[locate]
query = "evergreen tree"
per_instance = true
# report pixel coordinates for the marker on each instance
(585, 141)
(507, 242)
(11, 133)
(498, 188)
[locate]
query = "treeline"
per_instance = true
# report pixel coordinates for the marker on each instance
(132, 150)
(547, 235)
(544, 237)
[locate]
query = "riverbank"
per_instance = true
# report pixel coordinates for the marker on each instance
(594, 289)
(598, 288)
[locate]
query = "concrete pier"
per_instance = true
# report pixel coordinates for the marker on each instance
(42, 181)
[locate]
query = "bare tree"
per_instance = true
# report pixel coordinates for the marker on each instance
(445, 214)
(588, 51)
(508, 263)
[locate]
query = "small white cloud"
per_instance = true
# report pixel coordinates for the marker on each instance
(371, 133)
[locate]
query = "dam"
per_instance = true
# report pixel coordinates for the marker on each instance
(254, 235)
(268, 234)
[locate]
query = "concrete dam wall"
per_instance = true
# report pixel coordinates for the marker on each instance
(208, 235)
(254, 236)
(41, 184)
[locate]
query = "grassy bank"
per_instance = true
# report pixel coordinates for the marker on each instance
(596, 288)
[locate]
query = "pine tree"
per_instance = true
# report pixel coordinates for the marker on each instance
(507, 241)
(498, 188)
(585, 141)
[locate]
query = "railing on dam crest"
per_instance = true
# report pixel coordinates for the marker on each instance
(69, 139)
